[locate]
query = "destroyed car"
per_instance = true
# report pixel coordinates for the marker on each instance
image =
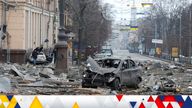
(41, 58)
(112, 72)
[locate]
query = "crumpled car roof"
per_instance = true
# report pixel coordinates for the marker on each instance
(96, 68)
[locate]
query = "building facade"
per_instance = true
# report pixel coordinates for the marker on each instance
(30, 23)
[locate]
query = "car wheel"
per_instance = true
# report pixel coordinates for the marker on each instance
(116, 84)
(138, 80)
(94, 87)
(84, 85)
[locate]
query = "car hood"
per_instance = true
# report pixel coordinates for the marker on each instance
(97, 69)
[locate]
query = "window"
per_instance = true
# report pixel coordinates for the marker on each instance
(109, 63)
(132, 63)
(125, 64)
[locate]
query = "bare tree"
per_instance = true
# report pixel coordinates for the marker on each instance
(169, 20)
(89, 22)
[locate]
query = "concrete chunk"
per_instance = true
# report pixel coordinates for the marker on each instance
(5, 85)
(16, 72)
(47, 73)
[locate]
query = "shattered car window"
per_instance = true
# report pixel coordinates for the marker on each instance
(109, 63)
(132, 64)
(125, 65)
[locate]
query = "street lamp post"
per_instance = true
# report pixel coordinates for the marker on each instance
(61, 46)
(61, 36)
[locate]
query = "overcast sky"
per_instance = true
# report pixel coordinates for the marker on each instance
(122, 8)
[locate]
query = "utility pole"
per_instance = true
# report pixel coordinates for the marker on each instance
(190, 36)
(61, 46)
(180, 46)
(155, 32)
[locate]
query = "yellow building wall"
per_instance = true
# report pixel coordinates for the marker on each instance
(15, 27)
(28, 24)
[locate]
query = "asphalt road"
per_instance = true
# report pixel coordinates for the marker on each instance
(134, 56)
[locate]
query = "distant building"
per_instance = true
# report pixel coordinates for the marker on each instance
(30, 23)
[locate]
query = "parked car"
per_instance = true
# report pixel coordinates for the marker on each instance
(112, 72)
(104, 53)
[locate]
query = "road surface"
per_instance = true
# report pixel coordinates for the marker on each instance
(134, 56)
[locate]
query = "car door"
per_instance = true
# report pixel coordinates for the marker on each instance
(126, 75)
(133, 72)
(129, 73)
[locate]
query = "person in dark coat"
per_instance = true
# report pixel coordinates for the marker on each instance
(55, 54)
(40, 49)
(34, 54)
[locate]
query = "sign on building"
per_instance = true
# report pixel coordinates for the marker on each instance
(175, 52)
(134, 28)
(69, 44)
(158, 41)
(147, 4)
(158, 51)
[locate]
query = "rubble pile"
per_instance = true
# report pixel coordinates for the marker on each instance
(158, 78)
(40, 79)
(163, 78)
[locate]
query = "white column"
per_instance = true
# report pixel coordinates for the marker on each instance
(38, 28)
(37, 43)
(30, 29)
(33, 33)
(43, 29)
(26, 23)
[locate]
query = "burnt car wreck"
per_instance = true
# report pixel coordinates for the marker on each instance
(111, 72)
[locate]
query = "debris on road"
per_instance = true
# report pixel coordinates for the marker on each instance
(5, 85)
(16, 72)
(46, 73)
(29, 79)
(158, 78)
